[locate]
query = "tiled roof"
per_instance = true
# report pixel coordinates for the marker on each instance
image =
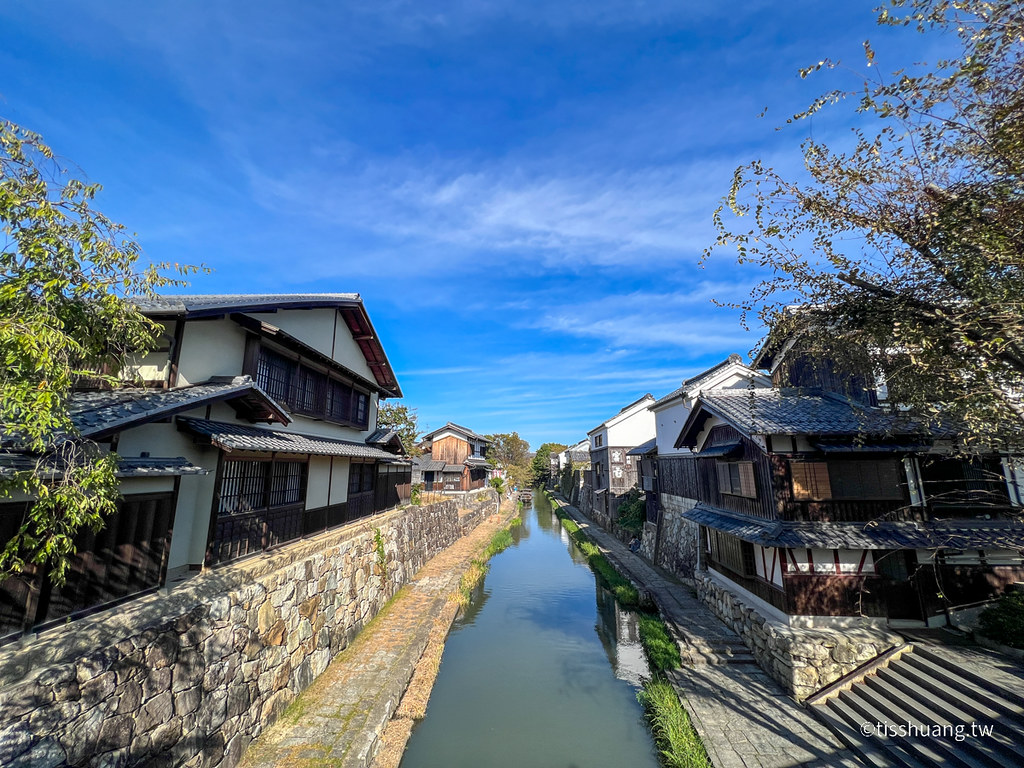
(651, 446)
(197, 304)
(450, 469)
(453, 426)
(127, 467)
(96, 414)
(381, 435)
(947, 534)
(694, 382)
(240, 437)
(477, 461)
(349, 304)
(785, 411)
(427, 464)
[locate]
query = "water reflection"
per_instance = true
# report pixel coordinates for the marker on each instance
(620, 636)
(525, 679)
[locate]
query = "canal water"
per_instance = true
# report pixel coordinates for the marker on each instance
(540, 671)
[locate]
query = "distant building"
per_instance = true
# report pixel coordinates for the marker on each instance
(453, 460)
(613, 471)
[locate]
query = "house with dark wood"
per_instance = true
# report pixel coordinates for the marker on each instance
(667, 538)
(816, 502)
(612, 470)
(251, 425)
(454, 459)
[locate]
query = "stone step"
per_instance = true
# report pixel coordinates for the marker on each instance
(967, 683)
(957, 707)
(897, 713)
(934, 711)
(864, 710)
(1014, 696)
(845, 723)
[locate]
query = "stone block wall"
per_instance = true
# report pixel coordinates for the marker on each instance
(802, 660)
(679, 539)
(190, 678)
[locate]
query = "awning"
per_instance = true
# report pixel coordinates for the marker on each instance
(720, 451)
(241, 437)
(651, 446)
(945, 534)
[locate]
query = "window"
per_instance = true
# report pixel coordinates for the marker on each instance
(855, 479)
(598, 441)
(274, 374)
(251, 485)
(360, 478)
(737, 478)
(730, 552)
(309, 391)
(810, 480)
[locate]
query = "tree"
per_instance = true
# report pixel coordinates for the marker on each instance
(510, 453)
(541, 466)
(403, 419)
(66, 277)
(910, 243)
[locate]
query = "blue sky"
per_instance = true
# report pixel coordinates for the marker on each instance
(519, 190)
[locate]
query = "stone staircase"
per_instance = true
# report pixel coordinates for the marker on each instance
(926, 688)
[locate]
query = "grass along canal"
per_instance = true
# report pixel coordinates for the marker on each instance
(544, 665)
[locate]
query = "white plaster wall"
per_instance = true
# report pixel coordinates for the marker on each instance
(668, 423)
(768, 564)
(324, 330)
(195, 492)
(849, 561)
(153, 365)
(636, 428)
(210, 348)
(317, 486)
(339, 480)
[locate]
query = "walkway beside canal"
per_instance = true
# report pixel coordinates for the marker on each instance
(744, 718)
(339, 719)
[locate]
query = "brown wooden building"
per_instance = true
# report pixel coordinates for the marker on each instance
(821, 505)
(454, 459)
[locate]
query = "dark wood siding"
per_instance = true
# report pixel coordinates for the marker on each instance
(693, 477)
(125, 558)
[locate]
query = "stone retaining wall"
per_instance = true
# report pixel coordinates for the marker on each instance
(191, 677)
(678, 538)
(803, 660)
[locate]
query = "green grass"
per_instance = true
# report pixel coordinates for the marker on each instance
(679, 746)
(620, 586)
(662, 651)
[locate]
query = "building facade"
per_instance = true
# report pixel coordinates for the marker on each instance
(250, 425)
(454, 459)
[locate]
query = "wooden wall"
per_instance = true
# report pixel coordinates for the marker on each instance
(450, 450)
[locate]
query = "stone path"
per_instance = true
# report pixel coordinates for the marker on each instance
(338, 720)
(744, 718)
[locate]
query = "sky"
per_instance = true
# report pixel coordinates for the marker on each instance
(520, 191)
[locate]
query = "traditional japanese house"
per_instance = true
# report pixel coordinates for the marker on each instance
(613, 471)
(454, 459)
(251, 425)
(813, 503)
(668, 539)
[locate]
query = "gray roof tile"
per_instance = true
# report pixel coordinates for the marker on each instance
(127, 466)
(947, 534)
(241, 437)
(105, 412)
(229, 302)
(784, 411)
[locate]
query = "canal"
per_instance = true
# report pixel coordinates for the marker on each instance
(542, 669)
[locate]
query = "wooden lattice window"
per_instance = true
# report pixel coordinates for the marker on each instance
(274, 374)
(737, 478)
(810, 480)
(250, 485)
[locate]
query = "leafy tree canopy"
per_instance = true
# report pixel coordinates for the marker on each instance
(540, 465)
(909, 243)
(404, 419)
(509, 452)
(66, 277)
